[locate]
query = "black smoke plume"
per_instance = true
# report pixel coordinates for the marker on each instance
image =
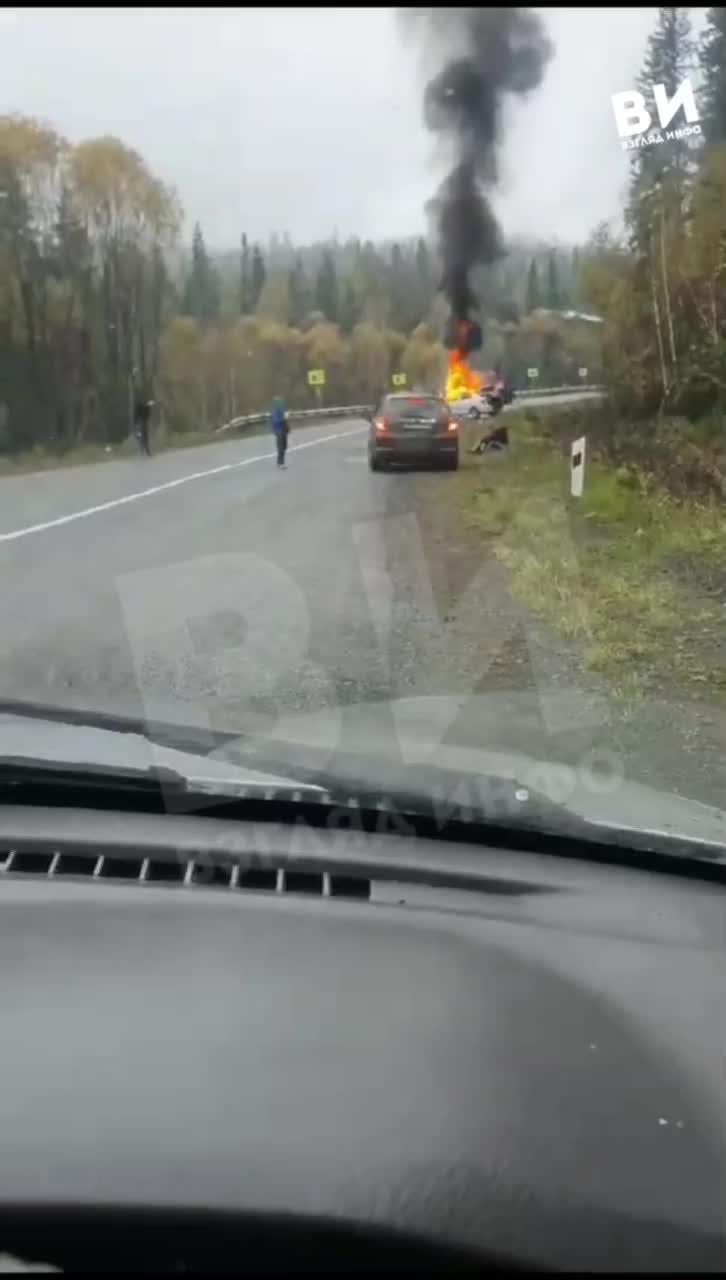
(487, 53)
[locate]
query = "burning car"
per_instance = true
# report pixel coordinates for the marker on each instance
(475, 407)
(470, 394)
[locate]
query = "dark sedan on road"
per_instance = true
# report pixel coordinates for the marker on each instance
(406, 427)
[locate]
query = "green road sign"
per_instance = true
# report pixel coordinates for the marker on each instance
(316, 377)
(399, 379)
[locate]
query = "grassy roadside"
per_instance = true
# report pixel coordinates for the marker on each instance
(623, 591)
(617, 598)
(41, 459)
(631, 576)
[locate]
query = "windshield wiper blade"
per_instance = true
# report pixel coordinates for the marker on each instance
(366, 781)
(21, 771)
(197, 739)
(167, 787)
(541, 827)
(501, 807)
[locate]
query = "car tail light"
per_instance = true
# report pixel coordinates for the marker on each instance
(381, 425)
(453, 424)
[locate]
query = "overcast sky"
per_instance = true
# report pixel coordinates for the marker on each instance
(309, 121)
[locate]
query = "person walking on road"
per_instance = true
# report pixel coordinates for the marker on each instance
(280, 428)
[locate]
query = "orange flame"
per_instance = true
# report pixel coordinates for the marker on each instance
(461, 380)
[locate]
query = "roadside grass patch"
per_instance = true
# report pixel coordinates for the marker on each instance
(44, 459)
(163, 440)
(633, 576)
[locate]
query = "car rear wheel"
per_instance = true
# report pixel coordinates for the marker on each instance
(374, 461)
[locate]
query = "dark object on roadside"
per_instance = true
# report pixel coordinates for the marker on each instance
(407, 427)
(142, 412)
(142, 417)
(493, 442)
(464, 336)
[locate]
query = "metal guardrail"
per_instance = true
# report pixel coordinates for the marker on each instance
(555, 391)
(355, 410)
(341, 410)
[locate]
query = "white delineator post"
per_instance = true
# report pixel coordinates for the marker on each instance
(577, 467)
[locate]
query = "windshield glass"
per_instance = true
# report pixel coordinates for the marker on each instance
(211, 274)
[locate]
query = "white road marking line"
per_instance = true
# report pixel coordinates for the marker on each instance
(168, 484)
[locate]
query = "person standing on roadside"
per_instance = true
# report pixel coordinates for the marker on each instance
(280, 428)
(142, 415)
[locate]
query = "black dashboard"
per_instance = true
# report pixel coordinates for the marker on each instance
(421, 1046)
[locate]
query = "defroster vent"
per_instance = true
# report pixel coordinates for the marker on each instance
(184, 872)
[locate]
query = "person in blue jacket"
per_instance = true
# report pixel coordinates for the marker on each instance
(280, 428)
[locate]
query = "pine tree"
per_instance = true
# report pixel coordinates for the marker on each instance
(713, 64)
(423, 261)
(534, 299)
(575, 277)
(400, 291)
(554, 296)
(299, 294)
(660, 171)
(326, 288)
(245, 278)
(669, 60)
(259, 275)
(202, 292)
(349, 308)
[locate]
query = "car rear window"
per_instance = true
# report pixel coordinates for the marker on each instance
(398, 407)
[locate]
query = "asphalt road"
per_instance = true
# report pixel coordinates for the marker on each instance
(209, 588)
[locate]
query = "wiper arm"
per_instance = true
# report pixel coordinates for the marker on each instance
(23, 771)
(506, 810)
(366, 781)
(190, 738)
(157, 787)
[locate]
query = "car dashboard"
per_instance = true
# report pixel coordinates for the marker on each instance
(222, 1043)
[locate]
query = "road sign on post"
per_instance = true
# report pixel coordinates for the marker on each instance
(316, 377)
(577, 467)
(582, 373)
(533, 374)
(399, 379)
